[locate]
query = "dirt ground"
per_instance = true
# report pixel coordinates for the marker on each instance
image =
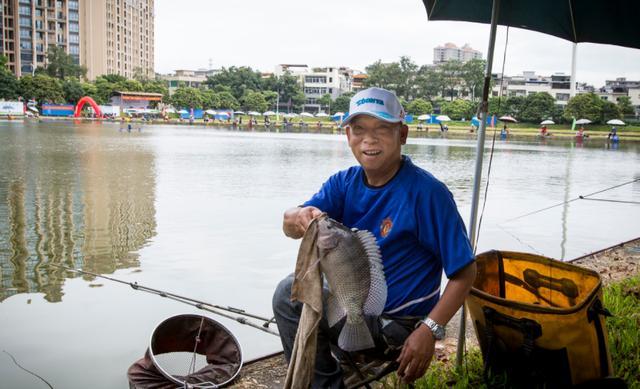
(613, 264)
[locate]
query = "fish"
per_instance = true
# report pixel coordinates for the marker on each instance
(351, 263)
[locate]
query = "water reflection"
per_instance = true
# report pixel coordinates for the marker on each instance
(76, 203)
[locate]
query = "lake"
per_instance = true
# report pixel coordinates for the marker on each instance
(198, 212)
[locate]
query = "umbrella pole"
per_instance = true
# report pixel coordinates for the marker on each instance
(484, 107)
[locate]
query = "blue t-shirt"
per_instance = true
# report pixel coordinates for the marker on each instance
(416, 223)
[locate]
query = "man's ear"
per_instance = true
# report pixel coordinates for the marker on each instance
(404, 133)
(347, 130)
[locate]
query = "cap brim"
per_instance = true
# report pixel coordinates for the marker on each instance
(378, 115)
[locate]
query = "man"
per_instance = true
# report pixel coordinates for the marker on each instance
(418, 229)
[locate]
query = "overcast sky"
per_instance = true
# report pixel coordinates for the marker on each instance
(355, 33)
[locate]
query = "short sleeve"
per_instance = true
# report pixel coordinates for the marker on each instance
(330, 197)
(442, 230)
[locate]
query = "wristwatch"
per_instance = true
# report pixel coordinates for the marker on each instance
(437, 329)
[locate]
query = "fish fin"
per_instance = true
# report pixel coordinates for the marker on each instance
(355, 336)
(335, 312)
(377, 297)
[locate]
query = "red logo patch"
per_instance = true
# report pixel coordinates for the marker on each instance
(385, 227)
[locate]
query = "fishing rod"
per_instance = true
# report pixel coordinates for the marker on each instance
(213, 308)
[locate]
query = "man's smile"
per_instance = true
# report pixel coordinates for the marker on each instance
(371, 153)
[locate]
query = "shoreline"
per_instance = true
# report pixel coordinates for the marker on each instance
(330, 127)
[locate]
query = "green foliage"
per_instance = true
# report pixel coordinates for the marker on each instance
(341, 103)
(254, 101)
(155, 86)
(396, 76)
(452, 72)
(419, 107)
(609, 111)
(458, 109)
(472, 74)
(325, 100)
(429, 82)
(625, 106)
(73, 90)
(187, 98)
(42, 88)
(61, 65)
(237, 79)
(8, 82)
(584, 106)
(227, 100)
(537, 107)
(623, 300)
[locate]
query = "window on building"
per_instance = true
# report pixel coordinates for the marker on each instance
(74, 49)
(74, 27)
(73, 4)
(74, 38)
(24, 10)
(562, 96)
(315, 79)
(39, 24)
(73, 16)
(26, 22)
(25, 45)
(25, 33)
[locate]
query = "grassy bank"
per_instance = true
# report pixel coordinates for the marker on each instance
(622, 299)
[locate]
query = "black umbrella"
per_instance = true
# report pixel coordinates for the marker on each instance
(609, 22)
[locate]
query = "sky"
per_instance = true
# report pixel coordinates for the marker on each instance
(194, 34)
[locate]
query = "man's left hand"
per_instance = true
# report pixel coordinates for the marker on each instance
(416, 354)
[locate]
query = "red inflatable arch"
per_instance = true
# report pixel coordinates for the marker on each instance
(82, 102)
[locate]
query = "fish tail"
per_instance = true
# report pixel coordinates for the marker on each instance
(355, 336)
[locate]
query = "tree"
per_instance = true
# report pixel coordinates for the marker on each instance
(458, 109)
(237, 80)
(384, 75)
(624, 103)
(254, 101)
(187, 98)
(513, 105)
(341, 103)
(41, 88)
(537, 107)
(584, 106)
(227, 100)
(62, 65)
(325, 101)
(472, 73)
(609, 110)
(452, 75)
(419, 107)
(429, 82)
(8, 82)
(73, 90)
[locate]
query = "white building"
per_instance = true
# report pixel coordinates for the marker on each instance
(316, 82)
(451, 52)
(188, 78)
(557, 85)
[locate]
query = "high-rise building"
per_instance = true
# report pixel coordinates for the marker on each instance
(117, 37)
(451, 52)
(30, 27)
(106, 36)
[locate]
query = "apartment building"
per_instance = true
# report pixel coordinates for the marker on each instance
(318, 81)
(117, 37)
(108, 37)
(188, 78)
(30, 27)
(557, 85)
(451, 52)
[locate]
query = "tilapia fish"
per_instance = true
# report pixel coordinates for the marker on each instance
(352, 265)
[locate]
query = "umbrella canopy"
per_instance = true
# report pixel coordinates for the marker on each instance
(170, 110)
(321, 115)
(254, 113)
(616, 122)
(32, 108)
(210, 112)
(269, 113)
(424, 117)
(238, 113)
(508, 119)
(546, 122)
(222, 114)
(183, 112)
(306, 114)
(612, 22)
(290, 115)
(583, 121)
(443, 118)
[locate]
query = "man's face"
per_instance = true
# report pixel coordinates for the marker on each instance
(376, 144)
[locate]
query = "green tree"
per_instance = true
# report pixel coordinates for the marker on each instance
(513, 105)
(325, 101)
(609, 110)
(458, 109)
(42, 88)
(537, 107)
(624, 103)
(187, 98)
(341, 103)
(429, 82)
(237, 80)
(210, 98)
(73, 90)
(8, 82)
(472, 73)
(62, 65)
(384, 75)
(227, 100)
(452, 76)
(287, 87)
(254, 101)
(584, 106)
(419, 107)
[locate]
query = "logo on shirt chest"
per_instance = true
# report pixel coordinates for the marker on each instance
(386, 227)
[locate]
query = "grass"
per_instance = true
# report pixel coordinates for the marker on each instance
(621, 299)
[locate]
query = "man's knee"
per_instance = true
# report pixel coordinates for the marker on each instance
(282, 294)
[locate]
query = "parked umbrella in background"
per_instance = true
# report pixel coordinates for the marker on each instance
(210, 112)
(269, 113)
(613, 22)
(306, 114)
(443, 118)
(507, 119)
(583, 121)
(616, 122)
(424, 117)
(321, 115)
(254, 113)
(239, 113)
(547, 122)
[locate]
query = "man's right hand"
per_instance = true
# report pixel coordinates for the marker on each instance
(296, 220)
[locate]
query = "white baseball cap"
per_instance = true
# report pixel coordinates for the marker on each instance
(378, 103)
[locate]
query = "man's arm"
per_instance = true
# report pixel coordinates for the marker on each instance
(419, 347)
(297, 219)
